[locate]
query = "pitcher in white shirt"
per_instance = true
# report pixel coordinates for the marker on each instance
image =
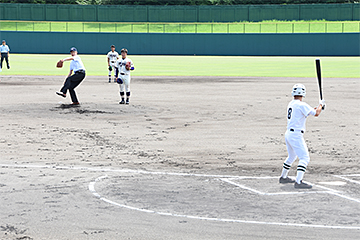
(72, 81)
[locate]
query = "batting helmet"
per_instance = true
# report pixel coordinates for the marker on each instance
(298, 90)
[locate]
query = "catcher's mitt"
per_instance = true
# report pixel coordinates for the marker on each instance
(110, 68)
(59, 64)
(119, 81)
(128, 65)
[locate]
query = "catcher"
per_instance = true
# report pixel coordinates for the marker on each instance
(112, 57)
(125, 65)
(72, 81)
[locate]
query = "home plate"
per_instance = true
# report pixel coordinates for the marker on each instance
(335, 183)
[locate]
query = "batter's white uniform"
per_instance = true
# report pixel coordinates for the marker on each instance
(113, 57)
(297, 112)
(124, 74)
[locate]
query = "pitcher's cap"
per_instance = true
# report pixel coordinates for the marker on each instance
(73, 49)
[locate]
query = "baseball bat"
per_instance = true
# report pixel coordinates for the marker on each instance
(318, 73)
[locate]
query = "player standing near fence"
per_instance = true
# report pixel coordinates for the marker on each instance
(112, 57)
(4, 54)
(72, 81)
(125, 65)
(297, 112)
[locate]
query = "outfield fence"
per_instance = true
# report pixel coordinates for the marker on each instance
(180, 13)
(105, 27)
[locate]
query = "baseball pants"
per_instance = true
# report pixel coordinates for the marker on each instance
(5, 56)
(71, 83)
(126, 83)
(296, 147)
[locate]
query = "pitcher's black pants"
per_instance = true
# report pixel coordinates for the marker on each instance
(72, 82)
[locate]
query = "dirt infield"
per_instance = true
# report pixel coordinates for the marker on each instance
(189, 158)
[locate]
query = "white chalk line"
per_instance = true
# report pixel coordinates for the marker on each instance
(268, 194)
(328, 191)
(345, 177)
(93, 191)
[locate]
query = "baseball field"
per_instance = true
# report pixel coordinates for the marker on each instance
(196, 155)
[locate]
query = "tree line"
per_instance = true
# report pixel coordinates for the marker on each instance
(177, 2)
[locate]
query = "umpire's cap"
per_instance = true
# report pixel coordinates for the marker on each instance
(124, 50)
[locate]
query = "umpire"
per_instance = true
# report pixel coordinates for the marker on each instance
(4, 54)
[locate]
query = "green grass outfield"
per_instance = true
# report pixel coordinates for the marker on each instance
(96, 65)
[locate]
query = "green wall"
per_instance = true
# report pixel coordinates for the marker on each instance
(293, 44)
(127, 13)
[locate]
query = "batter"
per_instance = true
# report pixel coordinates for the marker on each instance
(297, 112)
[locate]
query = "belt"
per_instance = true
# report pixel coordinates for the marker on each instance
(80, 71)
(123, 73)
(293, 130)
(112, 61)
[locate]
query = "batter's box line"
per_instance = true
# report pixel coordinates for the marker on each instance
(328, 190)
(264, 193)
(345, 177)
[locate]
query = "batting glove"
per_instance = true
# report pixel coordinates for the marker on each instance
(322, 103)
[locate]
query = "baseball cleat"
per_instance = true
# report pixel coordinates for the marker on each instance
(75, 103)
(122, 102)
(61, 94)
(286, 180)
(302, 185)
(127, 101)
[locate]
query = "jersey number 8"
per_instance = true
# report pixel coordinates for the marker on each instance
(289, 113)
